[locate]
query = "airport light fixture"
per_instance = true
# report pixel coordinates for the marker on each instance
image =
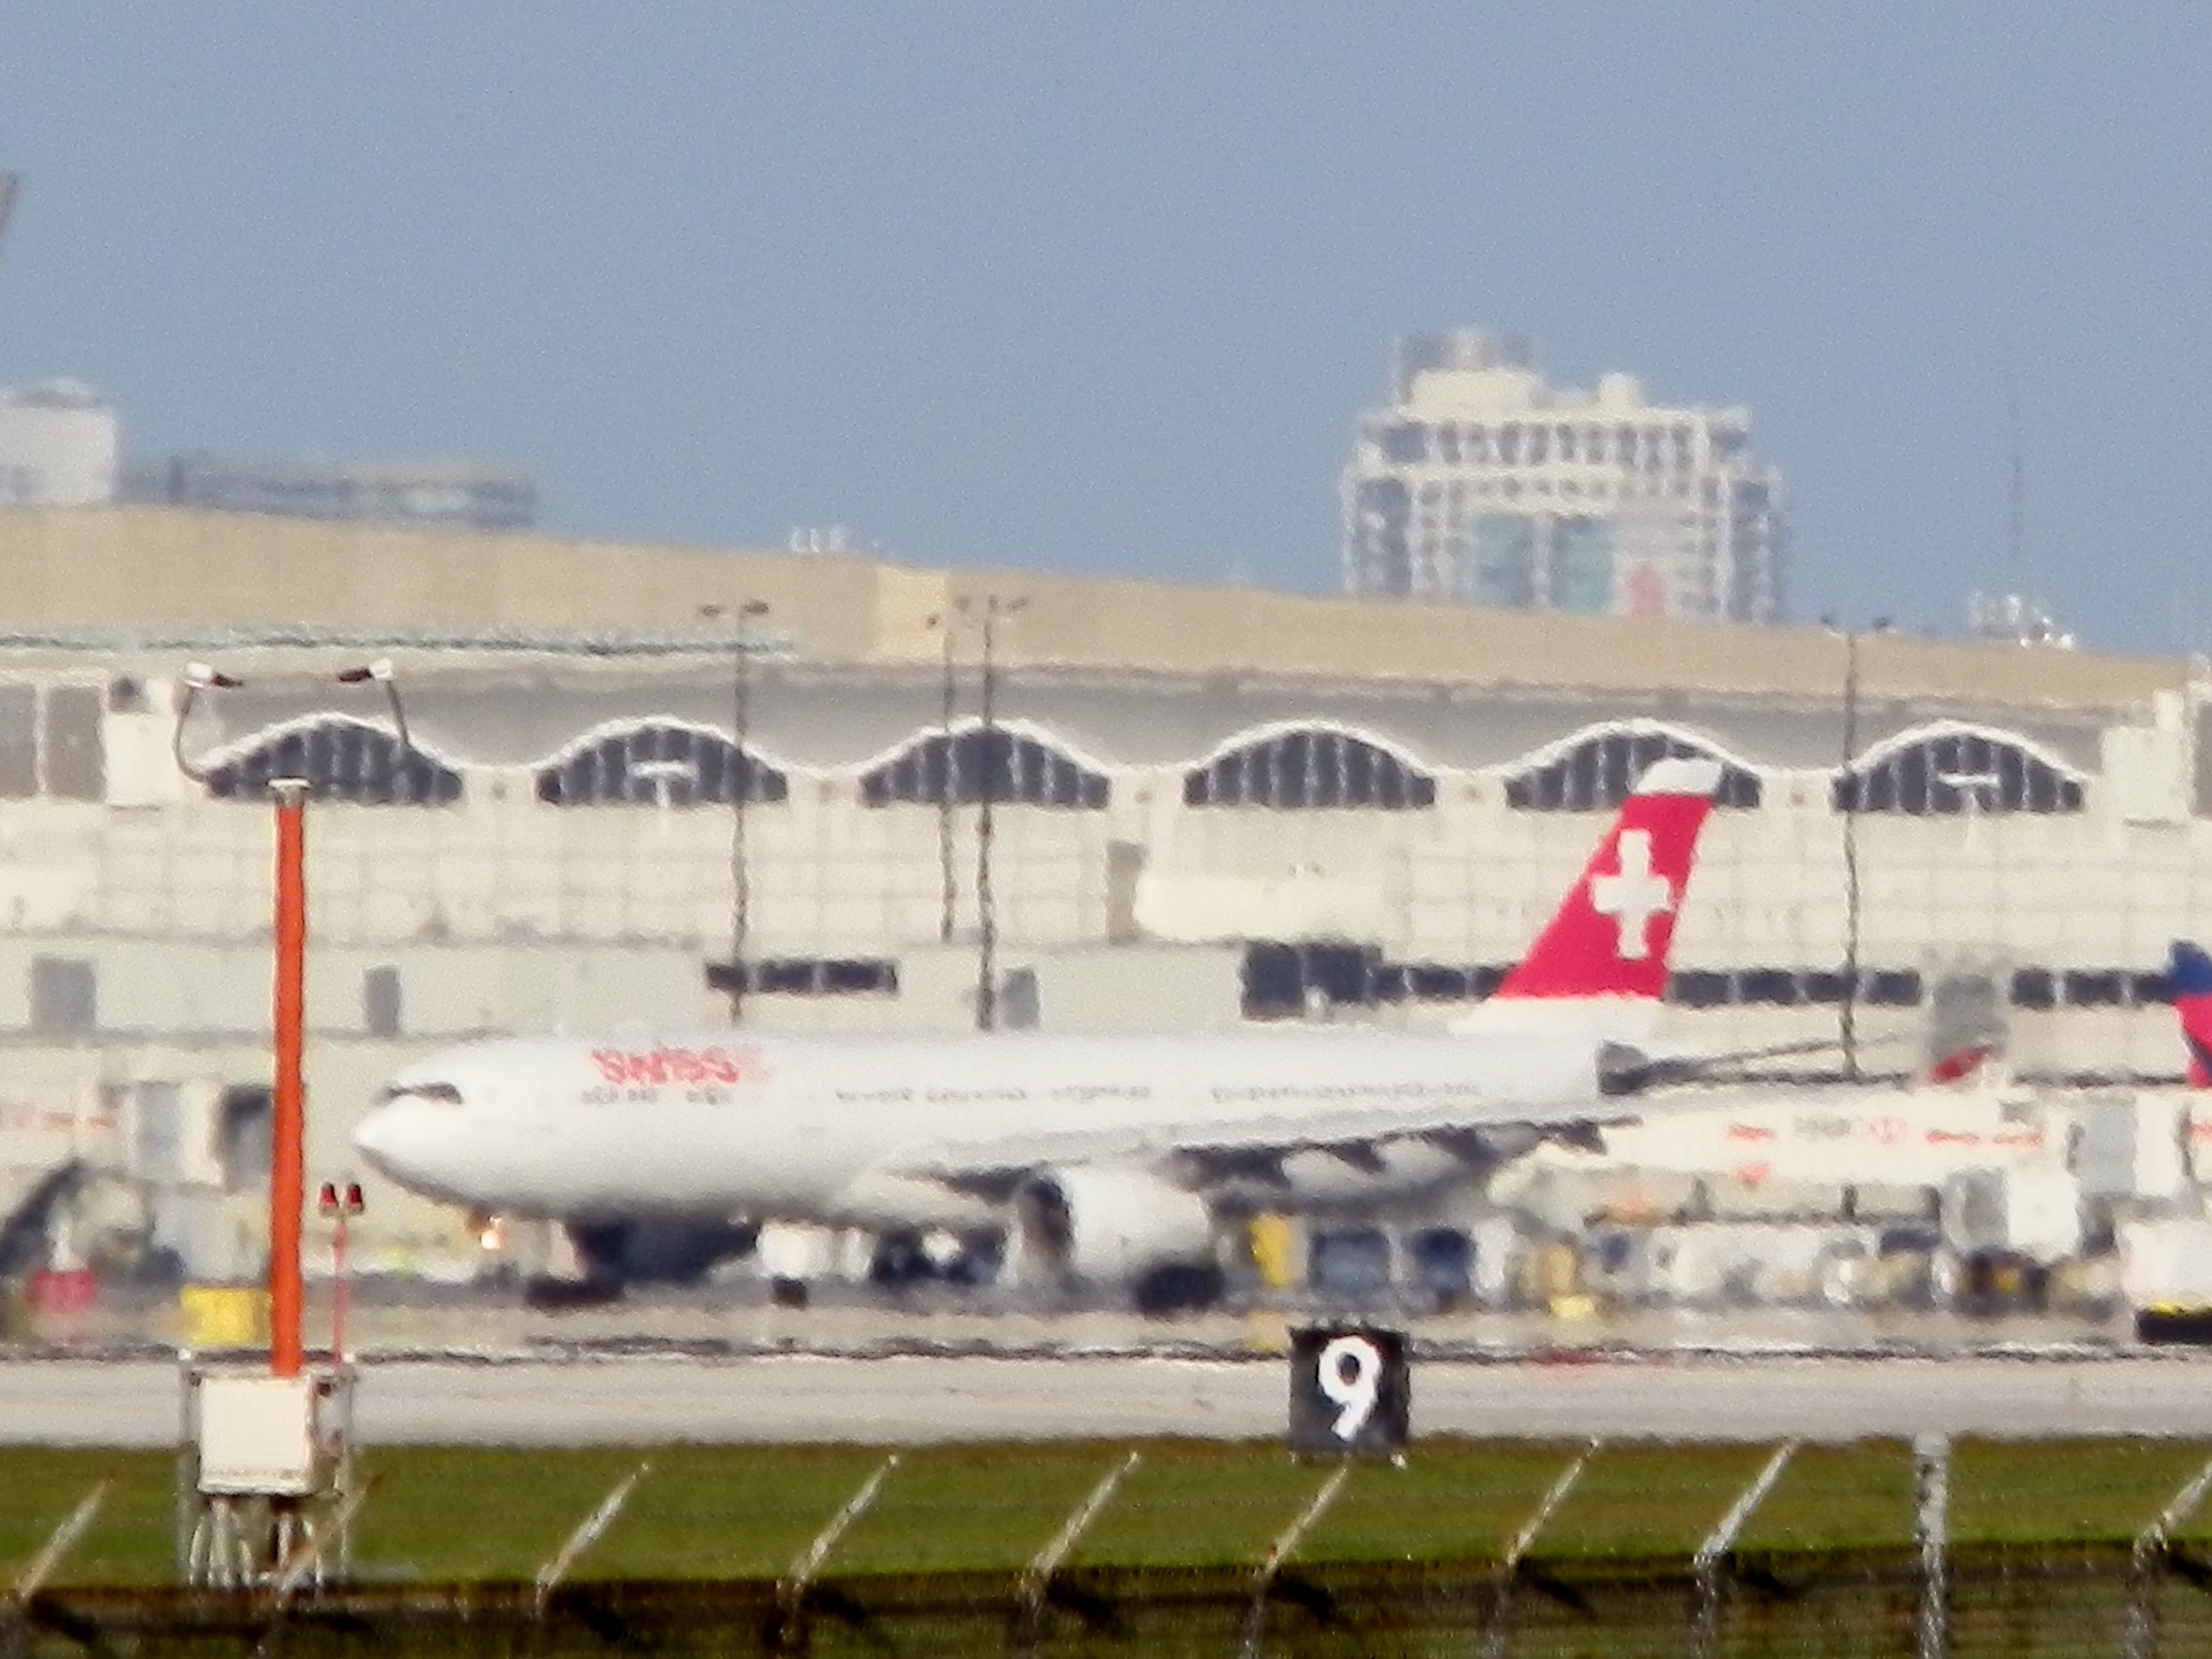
(661, 775)
(380, 672)
(1980, 792)
(741, 614)
(1977, 789)
(199, 679)
(988, 609)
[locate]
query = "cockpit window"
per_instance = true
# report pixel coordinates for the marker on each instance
(443, 1094)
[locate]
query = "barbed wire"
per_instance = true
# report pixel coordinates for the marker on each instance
(306, 636)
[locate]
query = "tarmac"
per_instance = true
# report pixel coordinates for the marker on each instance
(909, 1400)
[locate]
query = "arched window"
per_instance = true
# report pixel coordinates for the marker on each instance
(342, 759)
(1595, 772)
(1313, 767)
(1008, 765)
(1955, 771)
(658, 764)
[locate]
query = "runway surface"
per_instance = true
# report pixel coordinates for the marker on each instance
(911, 1401)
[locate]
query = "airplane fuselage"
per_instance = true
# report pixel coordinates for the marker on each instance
(862, 1127)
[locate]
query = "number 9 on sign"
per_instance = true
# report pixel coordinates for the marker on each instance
(1349, 1390)
(1348, 1374)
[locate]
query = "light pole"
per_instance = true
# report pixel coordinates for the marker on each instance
(741, 614)
(1847, 1015)
(339, 1204)
(1852, 785)
(288, 1127)
(948, 786)
(989, 609)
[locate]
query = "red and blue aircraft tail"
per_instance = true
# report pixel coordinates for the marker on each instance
(2189, 972)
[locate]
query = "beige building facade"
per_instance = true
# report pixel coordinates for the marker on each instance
(1211, 805)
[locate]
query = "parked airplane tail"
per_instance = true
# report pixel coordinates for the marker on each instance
(2188, 970)
(1964, 1065)
(1606, 947)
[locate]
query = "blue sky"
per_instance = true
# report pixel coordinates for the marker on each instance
(1103, 287)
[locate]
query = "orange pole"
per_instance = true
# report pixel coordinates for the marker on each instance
(288, 1161)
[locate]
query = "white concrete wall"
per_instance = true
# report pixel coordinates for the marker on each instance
(1469, 880)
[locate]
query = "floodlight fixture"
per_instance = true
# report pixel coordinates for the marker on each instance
(380, 672)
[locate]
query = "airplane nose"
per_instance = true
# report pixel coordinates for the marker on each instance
(378, 1138)
(412, 1145)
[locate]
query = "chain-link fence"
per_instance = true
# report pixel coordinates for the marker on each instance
(2040, 1602)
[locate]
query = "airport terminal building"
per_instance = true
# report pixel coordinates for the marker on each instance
(632, 766)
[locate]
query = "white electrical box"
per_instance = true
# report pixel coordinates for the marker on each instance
(2166, 1264)
(257, 1437)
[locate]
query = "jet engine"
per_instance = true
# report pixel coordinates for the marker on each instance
(1114, 1224)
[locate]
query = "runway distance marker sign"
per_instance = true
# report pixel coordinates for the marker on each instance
(1350, 1391)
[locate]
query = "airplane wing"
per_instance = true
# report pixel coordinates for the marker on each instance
(962, 1162)
(1508, 1126)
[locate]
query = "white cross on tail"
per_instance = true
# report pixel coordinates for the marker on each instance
(1632, 895)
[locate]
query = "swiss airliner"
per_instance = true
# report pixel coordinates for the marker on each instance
(1102, 1158)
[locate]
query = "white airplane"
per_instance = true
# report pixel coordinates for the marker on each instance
(1103, 1159)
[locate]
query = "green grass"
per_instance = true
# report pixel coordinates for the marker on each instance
(741, 1512)
(1453, 1498)
(1854, 1497)
(978, 1507)
(1641, 1499)
(132, 1541)
(1199, 1504)
(2017, 1492)
(700, 1512)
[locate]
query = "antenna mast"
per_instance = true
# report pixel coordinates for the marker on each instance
(2016, 494)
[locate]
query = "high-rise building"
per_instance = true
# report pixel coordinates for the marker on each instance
(1482, 483)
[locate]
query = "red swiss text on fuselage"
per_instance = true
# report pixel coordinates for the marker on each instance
(629, 1067)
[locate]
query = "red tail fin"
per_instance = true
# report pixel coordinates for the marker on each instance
(2189, 973)
(1959, 1065)
(1611, 936)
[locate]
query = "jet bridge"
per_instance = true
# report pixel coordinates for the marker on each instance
(26, 1230)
